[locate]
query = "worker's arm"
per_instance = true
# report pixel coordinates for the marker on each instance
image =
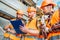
(34, 32)
(26, 30)
(9, 28)
(6, 27)
(56, 26)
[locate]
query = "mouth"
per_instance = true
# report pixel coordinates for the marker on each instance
(49, 13)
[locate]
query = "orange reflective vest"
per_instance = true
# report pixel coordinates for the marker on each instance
(54, 20)
(32, 24)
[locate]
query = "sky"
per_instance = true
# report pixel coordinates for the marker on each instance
(55, 1)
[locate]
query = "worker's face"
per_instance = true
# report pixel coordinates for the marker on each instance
(47, 9)
(19, 16)
(31, 14)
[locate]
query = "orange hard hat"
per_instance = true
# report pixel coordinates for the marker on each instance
(19, 12)
(31, 9)
(45, 3)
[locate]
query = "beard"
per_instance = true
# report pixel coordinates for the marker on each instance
(49, 13)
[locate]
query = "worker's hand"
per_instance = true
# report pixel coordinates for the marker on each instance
(56, 26)
(24, 29)
(12, 31)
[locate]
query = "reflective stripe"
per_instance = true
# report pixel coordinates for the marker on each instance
(53, 35)
(30, 36)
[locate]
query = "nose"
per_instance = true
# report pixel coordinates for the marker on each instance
(29, 14)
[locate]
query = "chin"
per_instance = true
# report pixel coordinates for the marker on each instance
(29, 16)
(19, 18)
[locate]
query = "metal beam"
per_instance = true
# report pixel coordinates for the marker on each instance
(11, 7)
(6, 15)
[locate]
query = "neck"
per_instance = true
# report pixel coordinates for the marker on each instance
(31, 18)
(18, 18)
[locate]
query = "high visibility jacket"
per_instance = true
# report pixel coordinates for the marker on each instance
(11, 36)
(54, 20)
(32, 24)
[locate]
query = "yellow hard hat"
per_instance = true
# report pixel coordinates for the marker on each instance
(45, 3)
(31, 9)
(19, 12)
